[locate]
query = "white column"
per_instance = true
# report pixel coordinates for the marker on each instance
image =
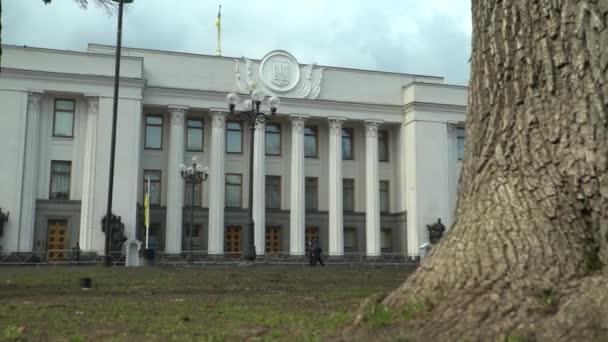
(87, 209)
(297, 203)
(259, 185)
(217, 180)
(175, 183)
(336, 228)
(28, 199)
(372, 194)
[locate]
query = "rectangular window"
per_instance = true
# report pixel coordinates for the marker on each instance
(348, 194)
(60, 180)
(383, 145)
(347, 143)
(310, 142)
(63, 121)
(350, 239)
(273, 192)
(273, 139)
(154, 132)
(234, 183)
(384, 196)
(155, 176)
(386, 236)
(196, 237)
(460, 137)
(234, 137)
(198, 194)
(312, 188)
(195, 135)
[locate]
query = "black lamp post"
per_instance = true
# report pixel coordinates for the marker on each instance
(107, 259)
(193, 175)
(252, 115)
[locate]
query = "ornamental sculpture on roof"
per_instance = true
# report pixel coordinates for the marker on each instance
(279, 73)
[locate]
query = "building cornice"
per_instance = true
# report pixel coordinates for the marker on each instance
(286, 101)
(435, 85)
(70, 78)
(71, 52)
(434, 107)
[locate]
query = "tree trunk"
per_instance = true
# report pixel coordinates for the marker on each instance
(532, 213)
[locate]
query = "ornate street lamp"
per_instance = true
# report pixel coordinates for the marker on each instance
(252, 115)
(193, 175)
(107, 260)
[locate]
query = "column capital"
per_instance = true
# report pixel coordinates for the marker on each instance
(34, 97)
(177, 113)
(335, 125)
(177, 109)
(297, 122)
(218, 118)
(371, 128)
(92, 105)
(260, 126)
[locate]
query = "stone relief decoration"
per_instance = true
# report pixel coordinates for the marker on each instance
(280, 74)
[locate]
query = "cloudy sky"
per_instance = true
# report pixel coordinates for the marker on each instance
(430, 37)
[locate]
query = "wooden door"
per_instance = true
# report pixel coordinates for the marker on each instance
(57, 239)
(273, 240)
(310, 233)
(233, 241)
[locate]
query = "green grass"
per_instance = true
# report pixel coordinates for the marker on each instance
(186, 304)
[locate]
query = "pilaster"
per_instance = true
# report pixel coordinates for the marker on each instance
(87, 211)
(28, 196)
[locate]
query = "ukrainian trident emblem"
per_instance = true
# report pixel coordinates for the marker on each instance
(280, 73)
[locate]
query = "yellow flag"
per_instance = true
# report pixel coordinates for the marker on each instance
(218, 21)
(146, 211)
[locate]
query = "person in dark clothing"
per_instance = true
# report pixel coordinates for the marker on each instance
(77, 252)
(311, 256)
(316, 251)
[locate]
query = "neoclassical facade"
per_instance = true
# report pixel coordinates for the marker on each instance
(362, 159)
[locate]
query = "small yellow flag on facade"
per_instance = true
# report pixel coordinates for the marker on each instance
(147, 210)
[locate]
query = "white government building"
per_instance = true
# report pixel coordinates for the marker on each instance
(363, 159)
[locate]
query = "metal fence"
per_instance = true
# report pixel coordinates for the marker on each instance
(202, 258)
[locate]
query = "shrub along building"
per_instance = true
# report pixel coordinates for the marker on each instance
(363, 159)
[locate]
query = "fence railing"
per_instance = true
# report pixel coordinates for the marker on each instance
(201, 258)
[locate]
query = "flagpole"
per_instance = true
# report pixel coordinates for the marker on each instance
(147, 213)
(219, 31)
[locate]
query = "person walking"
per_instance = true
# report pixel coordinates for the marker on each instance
(77, 252)
(316, 250)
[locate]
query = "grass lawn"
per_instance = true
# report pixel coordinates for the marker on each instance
(212, 303)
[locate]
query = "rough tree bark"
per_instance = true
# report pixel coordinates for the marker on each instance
(532, 213)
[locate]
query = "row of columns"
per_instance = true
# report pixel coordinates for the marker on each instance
(216, 183)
